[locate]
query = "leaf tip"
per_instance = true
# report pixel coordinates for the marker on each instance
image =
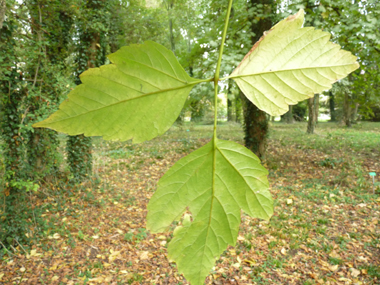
(299, 15)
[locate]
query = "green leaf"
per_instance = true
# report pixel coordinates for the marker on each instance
(213, 183)
(290, 64)
(139, 96)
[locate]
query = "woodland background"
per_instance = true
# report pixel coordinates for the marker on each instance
(51, 183)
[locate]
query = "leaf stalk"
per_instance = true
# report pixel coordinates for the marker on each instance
(217, 71)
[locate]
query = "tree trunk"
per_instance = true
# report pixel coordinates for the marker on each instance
(256, 128)
(316, 108)
(42, 143)
(229, 102)
(172, 43)
(311, 122)
(332, 107)
(255, 120)
(12, 91)
(238, 109)
(354, 116)
(91, 54)
(229, 110)
(171, 34)
(347, 110)
(288, 116)
(79, 156)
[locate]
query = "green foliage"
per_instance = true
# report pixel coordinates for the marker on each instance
(299, 111)
(93, 25)
(34, 79)
(354, 26)
(141, 94)
(214, 183)
(142, 81)
(79, 156)
(290, 64)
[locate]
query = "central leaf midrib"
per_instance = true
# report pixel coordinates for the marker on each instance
(126, 100)
(213, 150)
(284, 70)
(233, 166)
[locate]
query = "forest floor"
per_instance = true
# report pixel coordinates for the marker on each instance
(325, 229)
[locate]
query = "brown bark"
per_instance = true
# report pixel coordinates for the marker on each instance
(256, 128)
(311, 122)
(316, 108)
(332, 107)
(347, 110)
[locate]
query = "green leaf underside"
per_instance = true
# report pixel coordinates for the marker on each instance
(290, 64)
(214, 196)
(137, 97)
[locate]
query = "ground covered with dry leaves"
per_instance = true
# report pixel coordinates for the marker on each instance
(325, 229)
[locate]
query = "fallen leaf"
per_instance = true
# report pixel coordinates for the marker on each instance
(250, 261)
(144, 255)
(114, 255)
(354, 272)
(334, 254)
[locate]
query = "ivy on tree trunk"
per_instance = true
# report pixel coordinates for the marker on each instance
(255, 120)
(91, 53)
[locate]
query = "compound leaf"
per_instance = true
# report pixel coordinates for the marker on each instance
(214, 183)
(139, 96)
(290, 64)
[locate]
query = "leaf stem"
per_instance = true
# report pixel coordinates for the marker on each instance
(217, 71)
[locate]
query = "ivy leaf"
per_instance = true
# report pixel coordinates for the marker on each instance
(139, 96)
(290, 64)
(214, 183)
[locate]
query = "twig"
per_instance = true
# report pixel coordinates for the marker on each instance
(39, 48)
(6, 248)
(21, 246)
(15, 250)
(38, 80)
